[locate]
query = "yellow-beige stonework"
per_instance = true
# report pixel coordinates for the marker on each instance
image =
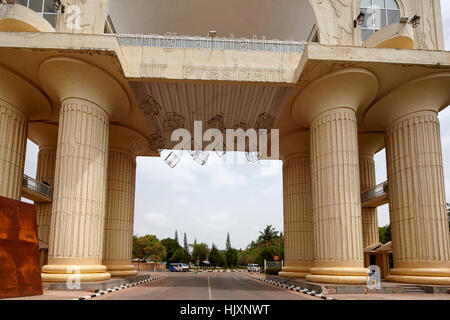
(337, 91)
(77, 227)
(45, 173)
(119, 220)
(369, 215)
(297, 202)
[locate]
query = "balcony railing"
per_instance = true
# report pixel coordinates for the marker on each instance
(35, 186)
(379, 191)
(171, 42)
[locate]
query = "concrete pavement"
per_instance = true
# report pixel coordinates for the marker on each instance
(209, 286)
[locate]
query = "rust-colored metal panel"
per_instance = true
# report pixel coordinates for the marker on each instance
(20, 274)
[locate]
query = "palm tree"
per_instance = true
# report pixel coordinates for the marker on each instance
(267, 235)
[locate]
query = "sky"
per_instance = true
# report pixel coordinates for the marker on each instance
(207, 202)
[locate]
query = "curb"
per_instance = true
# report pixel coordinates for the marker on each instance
(293, 288)
(125, 286)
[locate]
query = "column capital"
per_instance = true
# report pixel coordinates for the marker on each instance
(353, 88)
(427, 93)
(370, 143)
(21, 94)
(293, 144)
(127, 140)
(64, 78)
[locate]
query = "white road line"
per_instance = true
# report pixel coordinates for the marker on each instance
(209, 289)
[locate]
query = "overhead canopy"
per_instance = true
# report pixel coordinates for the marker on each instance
(281, 19)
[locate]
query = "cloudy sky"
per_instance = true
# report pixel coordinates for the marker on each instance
(207, 202)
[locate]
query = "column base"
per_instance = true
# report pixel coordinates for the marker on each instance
(295, 270)
(353, 276)
(83, 273)
(420, 276)
(122, 270)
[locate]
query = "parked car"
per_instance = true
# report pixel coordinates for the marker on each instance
(252, 267)
(178, 267)
(184, 267)
(174, 267)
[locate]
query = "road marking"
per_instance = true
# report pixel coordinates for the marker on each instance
(209, 289)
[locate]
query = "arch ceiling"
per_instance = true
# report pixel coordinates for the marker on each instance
(280, 19)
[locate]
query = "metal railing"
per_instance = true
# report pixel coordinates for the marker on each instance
(36, 186)
(171, 42)
(378, 191)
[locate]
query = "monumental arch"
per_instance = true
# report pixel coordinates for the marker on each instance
(341, 87)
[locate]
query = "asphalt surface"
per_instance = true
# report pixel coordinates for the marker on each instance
(208, 286)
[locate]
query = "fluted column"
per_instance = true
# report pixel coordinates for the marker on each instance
(77, 223)
(45, 173)
(369, 215)
(298, 235)
(336, 199)
(419, 225)
(119, 220)
(13, 142)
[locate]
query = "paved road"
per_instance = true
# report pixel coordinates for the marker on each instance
(210, 286)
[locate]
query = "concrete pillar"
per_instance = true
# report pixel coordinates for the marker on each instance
(336, 199)
(45, 173)
(328, 107)
(119, 221)
(369, 215)
(419, 225)
(13, 142)
(19, 100)
(76, 235)
(89, 99)
(298, 230)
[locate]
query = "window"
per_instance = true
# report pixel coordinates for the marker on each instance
(379, 14)
(43, 7)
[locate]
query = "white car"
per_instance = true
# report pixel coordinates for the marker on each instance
(251, 267)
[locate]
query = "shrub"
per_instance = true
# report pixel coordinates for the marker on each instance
(273, 271)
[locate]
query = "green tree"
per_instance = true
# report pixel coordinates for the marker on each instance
(385, 234)
(231, 257)
(228, 242)
(148, 248)
(200, 252)
(243, 259)
(214, 256)
(180, 255)
(171, 246)
(186, 245)
(176, 236)
(268, 235)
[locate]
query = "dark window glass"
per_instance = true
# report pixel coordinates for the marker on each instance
(36, 5)
(393, 16)
(48, 6)
(51, 18)
(22, 2)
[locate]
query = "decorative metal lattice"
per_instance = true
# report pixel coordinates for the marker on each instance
(173, 121)
(201, 157)
(217, 122)
(265, 121)
(253, 156)
(172, 160)
(150, 107)
(157, 141)
(241, 125)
